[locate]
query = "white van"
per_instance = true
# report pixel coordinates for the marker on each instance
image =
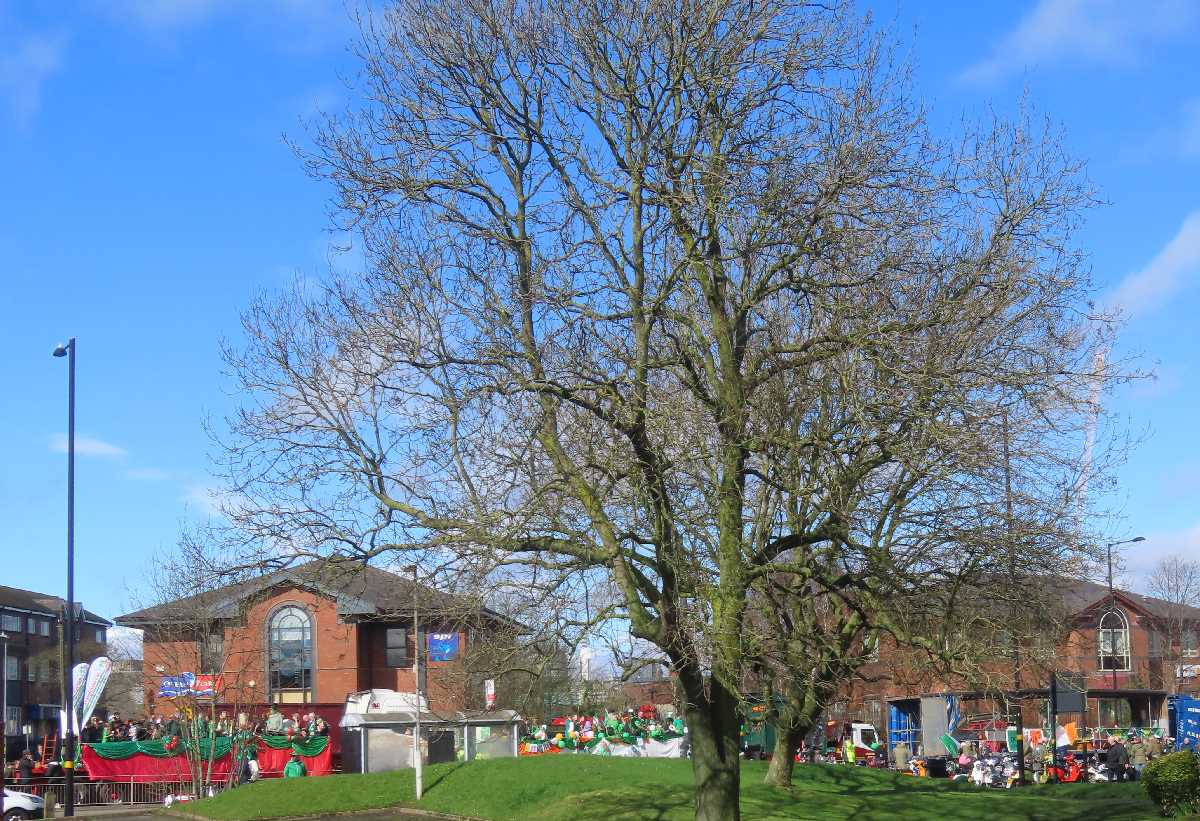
(21, 805)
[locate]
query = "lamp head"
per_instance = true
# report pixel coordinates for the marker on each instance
(61, 350)
(1137, 539)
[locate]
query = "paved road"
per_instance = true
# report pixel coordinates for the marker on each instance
(384, 815)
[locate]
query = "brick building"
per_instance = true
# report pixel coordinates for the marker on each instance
(32, 623)
(309, 635)
(1127, 659)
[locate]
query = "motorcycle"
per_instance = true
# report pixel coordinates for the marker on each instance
(996, 770)
(1068, 771)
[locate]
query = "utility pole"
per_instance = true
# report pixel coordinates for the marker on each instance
(4, 718)
(1012, 583)
(1112, 609)
(417, 683)
(68, 351)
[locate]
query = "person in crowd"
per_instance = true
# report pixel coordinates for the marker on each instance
(1138, 755)
(1153, 747)
(1117, 758)
(25, 769)
(294, 768)
(321, 728)
(275, 721)
(252, 762)
(677, 725)
(92, 732)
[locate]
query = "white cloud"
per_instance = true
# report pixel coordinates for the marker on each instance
(212, 501)
(1170, 271)
(1093, 31)
(86, 446)
(147, 474)
(166, 16)
(1139, 559)
(25, 64)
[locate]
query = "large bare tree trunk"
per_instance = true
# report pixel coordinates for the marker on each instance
(716, 755)
(783, 757)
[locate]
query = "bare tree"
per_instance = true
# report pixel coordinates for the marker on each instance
(666, 301)
(1175, 580)
(211, 678)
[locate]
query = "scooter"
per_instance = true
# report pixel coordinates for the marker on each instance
(1067, 771)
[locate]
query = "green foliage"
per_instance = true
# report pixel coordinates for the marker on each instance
(582, 788)
(1173, 783)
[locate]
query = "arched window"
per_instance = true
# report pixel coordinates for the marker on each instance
(1113, 644)
(289, 646)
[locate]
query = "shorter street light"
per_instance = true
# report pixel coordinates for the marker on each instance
(1112, 598)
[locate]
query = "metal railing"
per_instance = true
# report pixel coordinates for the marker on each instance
(111, 791)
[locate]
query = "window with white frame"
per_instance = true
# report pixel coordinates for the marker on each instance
(871, 647)
(1113, 641)
(10, 623)
(12, 668)
(44, 627)
(1156, 643)
(30, 673)
(1189, 643)
(12, 721)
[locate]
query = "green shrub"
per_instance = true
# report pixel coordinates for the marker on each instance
(1173, 782)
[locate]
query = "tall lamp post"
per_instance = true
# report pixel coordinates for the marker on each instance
(417, 769)
(68, 350)
(4, 716)
(1112, 595)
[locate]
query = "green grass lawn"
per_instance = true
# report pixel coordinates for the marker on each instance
(583, 788)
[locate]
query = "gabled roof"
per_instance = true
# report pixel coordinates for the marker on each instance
(1081, 597)
(41, 603)
(361, 591)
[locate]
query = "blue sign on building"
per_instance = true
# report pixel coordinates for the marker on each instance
(443, 646)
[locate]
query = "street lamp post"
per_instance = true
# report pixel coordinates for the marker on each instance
(4, 716)
(417, 770)
(1112, 595)
(68, 350)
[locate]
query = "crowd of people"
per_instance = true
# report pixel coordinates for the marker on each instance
(1122, 758)
(269, 722)
(627, 726)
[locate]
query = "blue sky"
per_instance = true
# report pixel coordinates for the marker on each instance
(147, 195)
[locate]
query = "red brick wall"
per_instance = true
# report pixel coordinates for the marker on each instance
(346, 657)
(172, 657)
(898, 674)
(446, 680)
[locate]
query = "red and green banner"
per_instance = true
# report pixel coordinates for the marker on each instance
(149, 761)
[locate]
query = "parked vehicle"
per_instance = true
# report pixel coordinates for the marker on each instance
(19, 806)
(1071, 769)
(997, 770)
(867, 749)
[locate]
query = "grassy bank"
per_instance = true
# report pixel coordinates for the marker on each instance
(582, 788)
